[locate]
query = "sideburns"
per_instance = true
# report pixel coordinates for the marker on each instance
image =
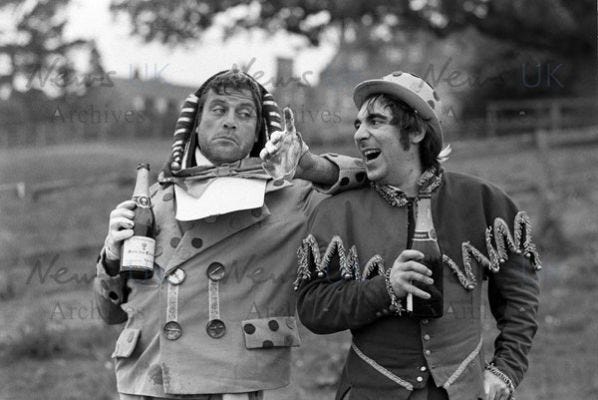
(404, 140)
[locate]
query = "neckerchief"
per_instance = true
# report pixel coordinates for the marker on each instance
(428, 181)
(250, 168)
(206, 190)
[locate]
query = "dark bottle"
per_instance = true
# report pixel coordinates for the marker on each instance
(424, 240)
(137, 258)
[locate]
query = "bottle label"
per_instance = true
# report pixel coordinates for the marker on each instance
(138, 253)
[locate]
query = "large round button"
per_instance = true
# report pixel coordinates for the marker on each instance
(420, 379)
(423, 368)
(172, 330)
(216, 328)
(177, 276)
(216, 271)
(428, 352)
(426, 337)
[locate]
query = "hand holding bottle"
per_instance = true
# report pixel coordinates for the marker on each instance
(407, 269)
(120, 228)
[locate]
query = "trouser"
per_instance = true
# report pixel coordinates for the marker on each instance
(242, 396)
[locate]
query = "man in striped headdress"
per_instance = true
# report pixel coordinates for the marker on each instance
(216, 320)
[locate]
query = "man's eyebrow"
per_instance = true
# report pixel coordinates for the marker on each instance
(217, 101)
(376, 116)
(246, 104)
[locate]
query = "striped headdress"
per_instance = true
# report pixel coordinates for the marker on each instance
(185, 141)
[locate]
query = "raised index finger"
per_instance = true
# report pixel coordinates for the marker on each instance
(289, 121)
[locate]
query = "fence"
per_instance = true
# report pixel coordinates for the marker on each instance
(50, 133)
(509, 117)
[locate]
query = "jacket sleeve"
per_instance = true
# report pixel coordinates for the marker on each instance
(513, 295)
(513, 289)
(332, 303)
(109, 292)
(351, 174)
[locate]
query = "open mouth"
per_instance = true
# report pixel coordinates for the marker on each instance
(371, 154)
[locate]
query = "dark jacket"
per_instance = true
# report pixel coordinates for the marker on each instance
(409, 350)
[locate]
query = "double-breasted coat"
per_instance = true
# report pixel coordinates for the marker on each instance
(219, 314)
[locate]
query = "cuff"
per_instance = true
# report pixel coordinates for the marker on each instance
(503, 377)
(351, 174)
(396, 305)
(383, 301)
(110, 287)
(106, 267)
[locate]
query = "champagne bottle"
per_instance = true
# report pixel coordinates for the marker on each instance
(424, 240)
(137, 258)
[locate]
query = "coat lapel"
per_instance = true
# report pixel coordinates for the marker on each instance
(181, 241)
(166, 228)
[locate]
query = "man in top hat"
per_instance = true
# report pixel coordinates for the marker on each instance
(216, 320)
(401, 263)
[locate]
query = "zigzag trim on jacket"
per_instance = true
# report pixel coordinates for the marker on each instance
(499, 242)
(348, 261)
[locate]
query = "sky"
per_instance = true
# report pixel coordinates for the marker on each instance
(187, 64)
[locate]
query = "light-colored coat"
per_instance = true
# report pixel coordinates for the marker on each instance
(256, 248)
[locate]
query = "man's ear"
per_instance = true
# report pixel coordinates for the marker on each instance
(416, 137)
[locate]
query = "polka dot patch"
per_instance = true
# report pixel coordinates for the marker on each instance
(167, 197)
(249, 329)
(345, 181)
(432, 104)
(174, 242)
(197, 243)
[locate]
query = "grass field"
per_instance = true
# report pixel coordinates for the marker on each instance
(54, 346)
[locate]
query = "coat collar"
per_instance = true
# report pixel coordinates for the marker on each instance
(427, 183)
(187, 239)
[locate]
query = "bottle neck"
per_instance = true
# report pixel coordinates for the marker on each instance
(423, 212)
(141, 191)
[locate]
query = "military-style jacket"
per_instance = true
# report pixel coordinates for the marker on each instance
(358, 234)
(218, 315)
